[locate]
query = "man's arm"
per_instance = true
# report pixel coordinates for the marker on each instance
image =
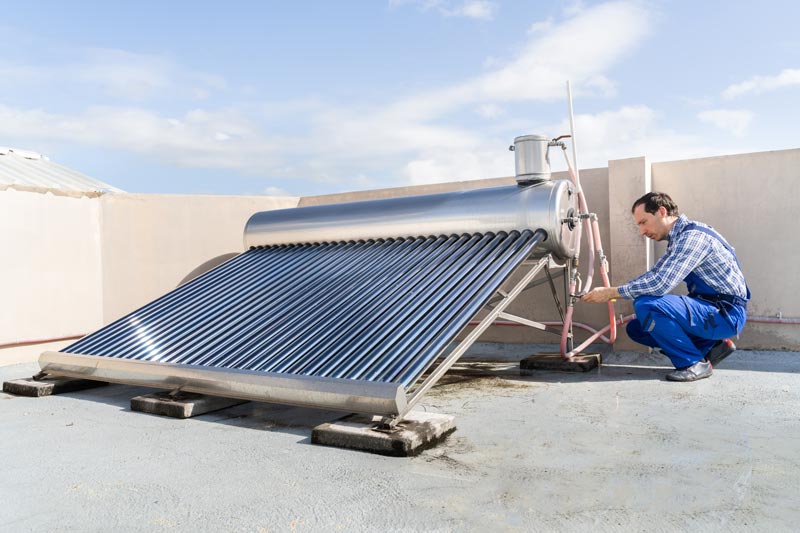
(601, 294)
(682, 257)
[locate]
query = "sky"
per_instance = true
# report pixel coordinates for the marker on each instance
(317, 97)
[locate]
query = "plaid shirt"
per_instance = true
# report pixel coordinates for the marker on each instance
(689, 251)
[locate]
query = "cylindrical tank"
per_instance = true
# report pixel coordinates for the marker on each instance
(531, 159)
(543, 205)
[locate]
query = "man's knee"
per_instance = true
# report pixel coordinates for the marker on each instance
(644, 306)
(634, 329)
(669, 305)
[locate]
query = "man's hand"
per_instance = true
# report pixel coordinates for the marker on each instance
(601, 294)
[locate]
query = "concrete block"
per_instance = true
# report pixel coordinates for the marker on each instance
(182, 404)
(47, 386)
(416, 432)
(554, 361)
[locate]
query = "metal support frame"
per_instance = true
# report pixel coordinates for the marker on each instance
(331, 393)
(389, 400)
(497, 309)
(551, 277)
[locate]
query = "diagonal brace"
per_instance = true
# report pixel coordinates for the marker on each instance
(469, 340)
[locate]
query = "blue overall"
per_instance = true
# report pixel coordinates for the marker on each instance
(686, 327)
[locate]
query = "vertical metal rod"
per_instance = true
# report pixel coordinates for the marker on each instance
(572, 133)
(568, 299)
(554, 291)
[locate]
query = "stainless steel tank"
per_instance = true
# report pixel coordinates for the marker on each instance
(542, 205)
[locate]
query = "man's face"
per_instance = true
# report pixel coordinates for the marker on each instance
(652, 225)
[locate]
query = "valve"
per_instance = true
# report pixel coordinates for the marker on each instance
(573, 220)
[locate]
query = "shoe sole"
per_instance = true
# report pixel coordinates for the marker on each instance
(695, 378)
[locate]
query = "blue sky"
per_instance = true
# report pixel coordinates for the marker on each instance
(305, 98)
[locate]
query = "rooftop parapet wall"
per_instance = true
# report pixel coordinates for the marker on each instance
(152, 243)
(745, 196)
(72, 264)
(752, 200)
(51, 269)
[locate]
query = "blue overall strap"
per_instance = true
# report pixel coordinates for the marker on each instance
(709, 231)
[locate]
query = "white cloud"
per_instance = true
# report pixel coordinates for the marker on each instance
(409, 140)
(573, 7)
(200, 138)
(275, 191)
(630, 131)
(459, 164)
(635, 131)
(735, 121)
(418, 154)
(490, 111)
(541, 26)
(603, 85)
(414, 132)
(124, 73)
(539, 72)
(760, 84)
(474, 9)
(364, 181)
(117, 73)
(608, 32)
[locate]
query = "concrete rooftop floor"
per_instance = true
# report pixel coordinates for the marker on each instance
(614, 449)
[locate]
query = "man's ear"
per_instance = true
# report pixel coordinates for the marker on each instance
(662, 211)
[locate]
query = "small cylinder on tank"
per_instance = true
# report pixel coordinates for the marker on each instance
(531, 158)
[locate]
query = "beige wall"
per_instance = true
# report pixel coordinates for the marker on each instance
(413, 190)
(152, 243)
(744, 196)
(51, 268)
(752, 200)
(73, 263)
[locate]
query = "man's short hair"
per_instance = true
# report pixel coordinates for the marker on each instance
(653, 200)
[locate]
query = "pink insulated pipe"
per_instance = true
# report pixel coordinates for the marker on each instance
(594, 243)
(26, 342)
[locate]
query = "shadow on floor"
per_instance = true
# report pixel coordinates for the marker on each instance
(259, 416)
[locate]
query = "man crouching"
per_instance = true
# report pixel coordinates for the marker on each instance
(693, 330)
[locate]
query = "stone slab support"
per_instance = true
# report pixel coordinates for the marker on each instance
(554, 362)
(37, 388)
(417, 431)
(181, 404)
